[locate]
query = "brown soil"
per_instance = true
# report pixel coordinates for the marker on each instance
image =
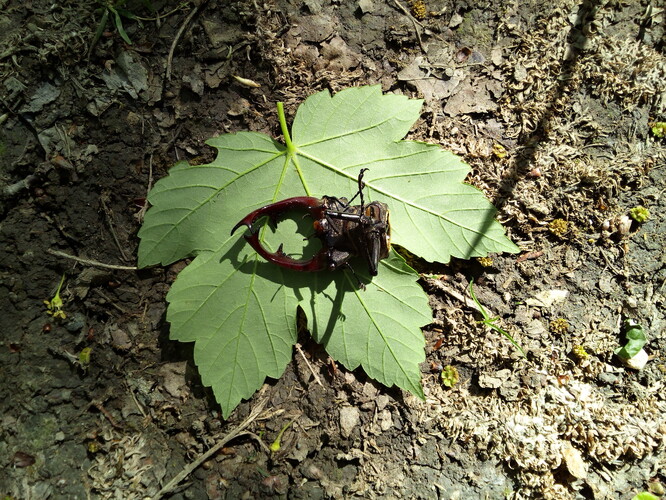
(551, 103)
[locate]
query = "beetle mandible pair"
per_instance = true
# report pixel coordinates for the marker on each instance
(345, 231)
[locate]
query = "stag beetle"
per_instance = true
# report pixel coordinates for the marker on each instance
(345, 231)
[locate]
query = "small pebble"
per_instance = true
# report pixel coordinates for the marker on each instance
(350, 417)
(76, 323)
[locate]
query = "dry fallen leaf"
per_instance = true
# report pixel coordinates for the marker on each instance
(574, 461)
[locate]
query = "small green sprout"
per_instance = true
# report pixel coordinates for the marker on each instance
(114, 10)
(645, 495)
(559, 326)
(632, 353)
(659, 129)
(639, 214)
(54, 306)
(275, 445)
(450, 376)
(84, 358)
(499, 151)
(488, 321)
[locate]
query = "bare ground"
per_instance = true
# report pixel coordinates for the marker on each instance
(550, 103)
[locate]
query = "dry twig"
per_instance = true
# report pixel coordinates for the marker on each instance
(456, 295)
(141, 213)
(88, 262)
(414, 22)
(108, 215)
(238, 431)
(181, 30)
(316, 377)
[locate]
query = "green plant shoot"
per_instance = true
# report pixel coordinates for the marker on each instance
(659, 129)
(115, 11)
(636, 339)
(645, 495)
(84, 358)
(275, 445)
(490, 322)
(450, 376)
(54, 306)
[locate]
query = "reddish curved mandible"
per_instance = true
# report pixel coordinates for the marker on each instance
(316, 207)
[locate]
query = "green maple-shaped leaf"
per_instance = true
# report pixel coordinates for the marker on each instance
(240, 310)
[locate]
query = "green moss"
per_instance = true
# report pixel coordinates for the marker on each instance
(639, 214)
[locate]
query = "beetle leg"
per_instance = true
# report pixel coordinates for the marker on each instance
(361, 185)
(316, 207)
(361, 285)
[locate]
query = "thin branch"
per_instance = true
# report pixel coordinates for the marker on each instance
(109, 220)
(316, 377)
(456, 295)
(414, 22)
(181, 30)
(141, 213)
(238, 431)
(92, 263)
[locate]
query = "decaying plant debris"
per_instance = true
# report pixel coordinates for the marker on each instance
(551, 104)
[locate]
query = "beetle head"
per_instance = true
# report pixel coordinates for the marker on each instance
(376, 234)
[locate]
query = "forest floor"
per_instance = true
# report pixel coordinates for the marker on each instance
(552, 106)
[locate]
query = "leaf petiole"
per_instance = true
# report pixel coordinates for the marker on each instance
(291, 149)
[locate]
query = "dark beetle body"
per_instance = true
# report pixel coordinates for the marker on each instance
(360, 230)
